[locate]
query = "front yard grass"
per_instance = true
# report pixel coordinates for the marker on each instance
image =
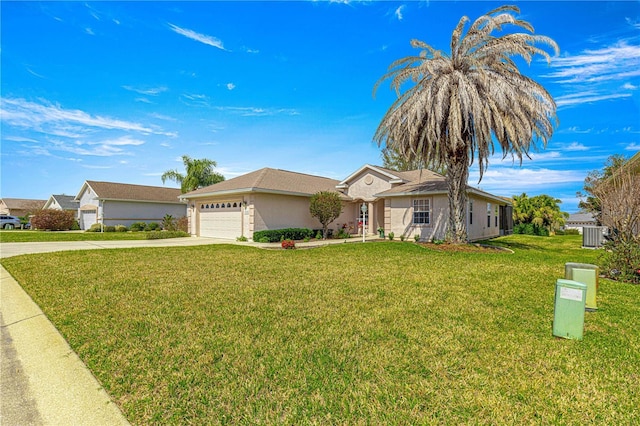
(28, 236)
(376, 333)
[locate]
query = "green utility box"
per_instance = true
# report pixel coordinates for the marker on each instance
(568, 314)
(586, 274)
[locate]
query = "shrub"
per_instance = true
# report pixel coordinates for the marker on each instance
(242, 239)
(621, 261)
(402, 237)
(530, 229)
(75, 226)
(53, 220)
(572, 231)
(342, 233)
(263, 240)
(96, 227)
(275, 235)
(169, 223)
(121, 228)
(110, 228)
(160, 235)
(288, 244)
(153, 226)
(319, 235)
(391, 236)
(416, 237)
(183, 224)
(137, 226)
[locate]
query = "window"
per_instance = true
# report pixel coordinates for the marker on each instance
(496, 216)
(488, 215)
(470, 212)
(421, 212)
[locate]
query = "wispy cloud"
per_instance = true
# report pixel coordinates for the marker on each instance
(231, 86)
(202, 38)
(194, 99)
(634, 146)
(104, 148)
(398, 13)
(575, 146)
(513, 180)
(258, 112)
(596, 75)
(22, 113)
(149, 91)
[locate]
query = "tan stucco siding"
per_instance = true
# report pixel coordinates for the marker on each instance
(399, 216)
(273, 211)
(484, 222)
(367, 184)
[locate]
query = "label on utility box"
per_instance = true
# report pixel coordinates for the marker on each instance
(571, 294)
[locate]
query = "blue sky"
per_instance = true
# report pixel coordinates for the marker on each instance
(119, 91)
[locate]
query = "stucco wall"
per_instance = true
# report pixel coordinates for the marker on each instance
(399, 218)
(126, 213)
(366, 184)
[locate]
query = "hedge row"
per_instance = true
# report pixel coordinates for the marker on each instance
(276, 235)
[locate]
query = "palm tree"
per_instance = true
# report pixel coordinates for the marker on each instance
(200, 173)
(457, 105)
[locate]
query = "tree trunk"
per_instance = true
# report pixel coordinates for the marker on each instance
(457, 176)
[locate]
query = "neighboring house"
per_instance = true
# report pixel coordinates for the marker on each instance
(62, 202)
(579, 221)
(20, 207)
(112, 203)
(405, 203)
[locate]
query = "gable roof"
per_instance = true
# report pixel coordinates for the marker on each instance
(128, 192)
(581, 217)
(426, 182)
(268, 180)
(23, 203)
(66, 202)
(393, 175)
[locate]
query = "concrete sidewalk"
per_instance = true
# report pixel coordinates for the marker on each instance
(43, 381)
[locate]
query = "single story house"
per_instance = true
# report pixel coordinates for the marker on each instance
(405, 203)
(20, 206)
(579, 221)
(112, 203)
(62, 202)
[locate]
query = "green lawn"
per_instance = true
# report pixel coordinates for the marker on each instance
(27, 236)
(376, 333)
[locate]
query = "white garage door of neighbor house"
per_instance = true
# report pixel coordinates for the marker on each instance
(88, 218)
(221, 220)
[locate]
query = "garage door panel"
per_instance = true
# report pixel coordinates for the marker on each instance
(218, 222)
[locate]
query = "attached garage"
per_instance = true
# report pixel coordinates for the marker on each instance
(88, 216)
(221, 219)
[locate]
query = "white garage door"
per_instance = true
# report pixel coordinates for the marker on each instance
(88, 218)
(221, 219)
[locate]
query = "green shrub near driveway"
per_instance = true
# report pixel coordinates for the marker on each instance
(403, 335)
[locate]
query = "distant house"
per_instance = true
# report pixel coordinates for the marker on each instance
(405, 203)
(579, 221)
(112, 203)
(20, 206)
(62, 202)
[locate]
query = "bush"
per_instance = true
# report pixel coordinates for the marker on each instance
(416, 237)
(169, 223)
(137, 226)
(53, 220)
(110, 228)
(96, 227)
(402, 237)
(530, 229)
(121, 228)
(242, 239)
(391, 236)
(183, 224)
(288, 244)
(160, 235)
(153, 226)
(572, 231)
(621, 261)
(275, 235)
(263, 240)
(75, 226)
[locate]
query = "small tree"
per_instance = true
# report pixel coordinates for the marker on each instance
(53, 220)
(539, 215)
(326, 206)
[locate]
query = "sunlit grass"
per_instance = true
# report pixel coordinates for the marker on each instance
(28, 236)
(376, 333)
